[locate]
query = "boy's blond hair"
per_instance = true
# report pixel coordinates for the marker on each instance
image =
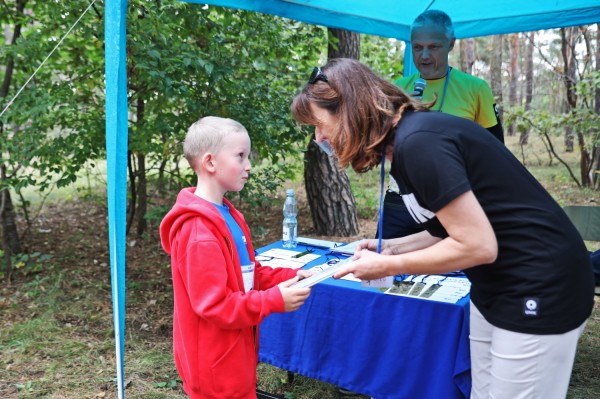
(206, 135)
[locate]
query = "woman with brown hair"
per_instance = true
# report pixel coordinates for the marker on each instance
(484, 213)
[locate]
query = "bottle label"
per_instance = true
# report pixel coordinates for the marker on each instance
(289, 235)
(286, 233)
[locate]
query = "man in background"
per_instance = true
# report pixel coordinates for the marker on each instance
(456, 93)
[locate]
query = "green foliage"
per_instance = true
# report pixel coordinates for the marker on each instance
(365, 188)
(189, 61)
(25, 264)
(56, 124)
(260, 190)
(169, 384)
(583, 121)
(184, 62)
(156, 214)
(386, 56)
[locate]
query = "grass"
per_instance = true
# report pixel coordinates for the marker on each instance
(56, 332)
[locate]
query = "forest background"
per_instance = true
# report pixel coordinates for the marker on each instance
(187, 61)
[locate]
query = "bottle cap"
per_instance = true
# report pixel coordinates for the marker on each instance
(290, 191)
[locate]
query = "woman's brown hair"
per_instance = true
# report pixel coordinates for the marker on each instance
(366, 106)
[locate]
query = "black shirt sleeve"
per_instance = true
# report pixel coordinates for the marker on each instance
(497, 131)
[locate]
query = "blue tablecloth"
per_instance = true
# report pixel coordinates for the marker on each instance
(384, 346)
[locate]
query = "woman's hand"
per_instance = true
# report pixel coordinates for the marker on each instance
(367, 265)
(371, 245)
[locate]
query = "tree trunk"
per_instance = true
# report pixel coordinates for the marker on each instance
(524, 139)
(9, 225)
(132, 204)
(569, 40)
(142, 189)
(467, 55)
(596, 147)
(142, 195)
(597, 103)
(569, 78)
(496, 73)
(11, 243)
(514, 75)
(343, 44)
(332, 205)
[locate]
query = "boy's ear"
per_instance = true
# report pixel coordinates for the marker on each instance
(207, 162)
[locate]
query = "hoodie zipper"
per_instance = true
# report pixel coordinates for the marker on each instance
(230, 247)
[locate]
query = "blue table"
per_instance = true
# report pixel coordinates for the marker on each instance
(384, 346)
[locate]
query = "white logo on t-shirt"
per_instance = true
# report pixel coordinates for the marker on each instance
(530, 307)
(418, 213)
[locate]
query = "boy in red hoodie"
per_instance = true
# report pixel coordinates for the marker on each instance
(221, 293)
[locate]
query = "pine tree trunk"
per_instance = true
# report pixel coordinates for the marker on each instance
(524, 139)
(569, 79)
(467, 55)
(596, 147)
(514, 75)
(343, 44)
(496, 73)
(332, 205)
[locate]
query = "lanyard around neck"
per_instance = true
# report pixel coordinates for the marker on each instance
(380, 224)
(445, 89)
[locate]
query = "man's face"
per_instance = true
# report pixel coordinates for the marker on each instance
(430, 48)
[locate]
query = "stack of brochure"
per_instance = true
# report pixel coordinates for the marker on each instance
(323, 274)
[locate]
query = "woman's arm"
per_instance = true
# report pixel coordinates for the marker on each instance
(471, 242)
(400, 245)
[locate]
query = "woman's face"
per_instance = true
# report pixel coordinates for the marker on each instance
(327, 124)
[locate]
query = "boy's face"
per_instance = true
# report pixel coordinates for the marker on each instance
(232, 166)
(430, 48)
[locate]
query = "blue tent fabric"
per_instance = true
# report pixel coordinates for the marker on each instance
(392, 18)
(116, 160)
(386, 18)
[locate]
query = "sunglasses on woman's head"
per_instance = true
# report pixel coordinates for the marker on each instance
(317, 74)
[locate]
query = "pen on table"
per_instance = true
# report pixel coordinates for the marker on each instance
(302, 253)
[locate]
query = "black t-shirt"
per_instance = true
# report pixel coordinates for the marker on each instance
(541, 282)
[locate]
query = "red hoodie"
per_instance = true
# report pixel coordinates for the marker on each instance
(215, 322)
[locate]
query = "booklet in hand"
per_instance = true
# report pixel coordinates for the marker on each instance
(321, 275)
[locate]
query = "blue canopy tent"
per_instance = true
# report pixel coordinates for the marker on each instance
(386, 18)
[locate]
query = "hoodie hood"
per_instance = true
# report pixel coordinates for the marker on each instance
(189, 206)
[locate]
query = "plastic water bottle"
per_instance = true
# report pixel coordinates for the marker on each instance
(290, 220)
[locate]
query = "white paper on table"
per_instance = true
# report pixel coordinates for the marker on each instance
(280, 253)
(350, 277)
(347, 249)
(378, 283)
(285, 258)
(322, 272)
(450, 289)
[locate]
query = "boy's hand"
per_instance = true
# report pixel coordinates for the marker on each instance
(293, 298)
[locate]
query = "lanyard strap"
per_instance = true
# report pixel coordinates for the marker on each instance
(380, 223)
(445, 88)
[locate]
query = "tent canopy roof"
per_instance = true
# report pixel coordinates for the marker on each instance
(392, 18)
